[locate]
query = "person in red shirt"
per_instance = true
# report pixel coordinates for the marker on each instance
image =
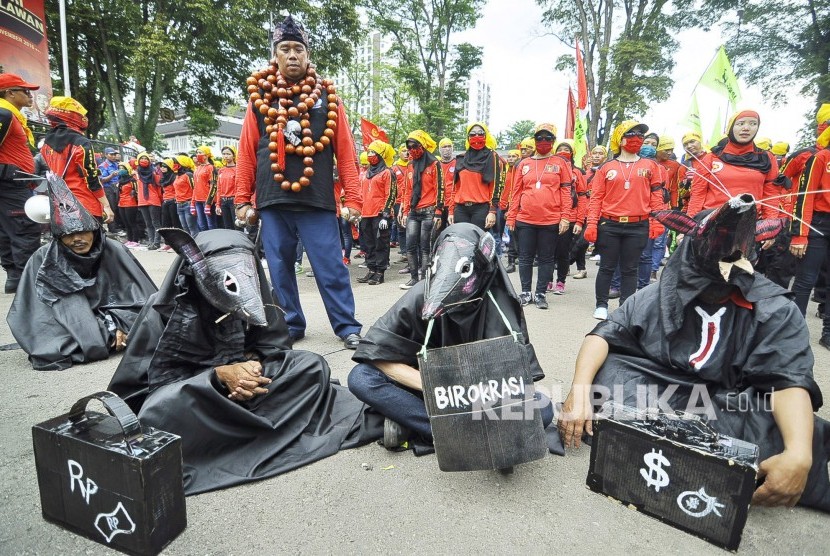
(19, 236)
(169, 213)
(447, 161)
(624, 191)
(227, 189)
(128, 204)
(148, 186)
(398, 236)
(540, 212)
(379, 192)
(566, 242)
(183, 187)
(734, 167)
(301, 207)
(69, 154)
(478, 180)
(810, 228)
(420, 204)
(527, 147)
(204, 189)
(514, 156)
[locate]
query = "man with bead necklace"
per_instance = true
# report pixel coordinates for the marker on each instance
(294, 128)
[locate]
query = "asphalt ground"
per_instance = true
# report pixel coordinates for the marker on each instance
(402, 503)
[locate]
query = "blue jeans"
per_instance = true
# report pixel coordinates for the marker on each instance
(320, 234)
(203, 221)
(658, 251)
(404, 405)
(187, 220)
(346, 239)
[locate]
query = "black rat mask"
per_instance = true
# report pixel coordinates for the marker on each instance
(228, 279)
(67, 215)
(463, 265)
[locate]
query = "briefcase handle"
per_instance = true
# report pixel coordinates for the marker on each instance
(116, 407)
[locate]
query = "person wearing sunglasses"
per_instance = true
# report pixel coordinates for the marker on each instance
(478, 180)
(19, 236)
(625, 190)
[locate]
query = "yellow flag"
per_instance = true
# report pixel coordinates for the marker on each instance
(720, 78)
(580, 139)
(717, 132)
(692, 120)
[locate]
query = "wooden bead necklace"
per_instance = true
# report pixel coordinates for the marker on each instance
(273, 97)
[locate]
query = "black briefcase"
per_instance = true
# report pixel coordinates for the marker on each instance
(674, 468)
(481, 406)
(106, 477)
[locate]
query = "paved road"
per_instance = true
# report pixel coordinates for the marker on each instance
(335, 506)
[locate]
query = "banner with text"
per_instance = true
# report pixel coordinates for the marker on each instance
(24, 49)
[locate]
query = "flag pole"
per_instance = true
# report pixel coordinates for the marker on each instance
(705, 70)
(64, 48)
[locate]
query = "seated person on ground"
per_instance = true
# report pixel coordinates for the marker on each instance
(210, 359)
(715, 338)
(80, 294)
(455, 294)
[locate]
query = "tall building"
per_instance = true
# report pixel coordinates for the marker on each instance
(477, 106)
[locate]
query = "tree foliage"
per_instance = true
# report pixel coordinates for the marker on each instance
(628, 47)
(434, 70)
(782, 47)
(130, 58)
(513, 135)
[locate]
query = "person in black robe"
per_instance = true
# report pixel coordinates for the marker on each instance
(717, 339)
(210, 359)
(455, 298)
(80, 294)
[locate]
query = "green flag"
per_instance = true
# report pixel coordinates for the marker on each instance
(717, 131)
(720, 78)
(580, 139)
(692, 119)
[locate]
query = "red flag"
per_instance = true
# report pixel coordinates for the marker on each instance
(581, 84)
(371, 132)
(570, 115)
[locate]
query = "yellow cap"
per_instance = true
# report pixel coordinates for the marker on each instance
(622, 129)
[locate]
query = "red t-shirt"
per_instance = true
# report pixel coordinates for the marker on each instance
(126, 198)
(153, 196)
(183, 187)
(625, 189)
(378, 195)
(14, 145)
(541, 191)
(201, 182)
(429, 188)
(714, 176)
(227, 181)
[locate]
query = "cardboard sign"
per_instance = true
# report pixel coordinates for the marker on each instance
(675, 470)
(480, 400)
(109, 479)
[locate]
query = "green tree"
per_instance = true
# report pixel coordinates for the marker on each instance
(434, 69)
(781, 49)
(513, 135)
(627, 71)
(132, 57)
(201, 125)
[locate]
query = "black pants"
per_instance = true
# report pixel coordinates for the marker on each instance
(419, 225)
(536, 241)
(112, 196)
(228, 218)
(619, 243)
(563, 254)
(129, 215)
(152, 222)
(818, 251)
(170, 214)
(578, 249)
(19, 236)
(777, 263)
(474, 214)
(376, 243)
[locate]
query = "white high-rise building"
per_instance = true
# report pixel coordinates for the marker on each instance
(477, 106)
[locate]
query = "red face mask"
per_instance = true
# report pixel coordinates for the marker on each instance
(416, 153)
(477, 142)
(633, 144)
(565, 154)
(373, 159)
(544, 147)
(144, 163)
(200, 158)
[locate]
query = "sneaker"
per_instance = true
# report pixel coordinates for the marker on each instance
(366, 278)
(393, 244)
(404, 271)
(580, 274)
(525, 298)
(403, 259)
(346, 261)
(298, 268)
(559, 289)
(601, 313)
(595, 257)
(541, 301)
(395, 437)
(360, 255)
(362, 265)
(409, 284)
(377, 278)
(824, 342)
(510, 268)
(132, 244)
(310, 274)
(153, 247)
(351, 341)
(549, 287)
(165, 248)
(613, 293)
(122, 233)
(11, 285)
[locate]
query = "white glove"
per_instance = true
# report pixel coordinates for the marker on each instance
(383, 224)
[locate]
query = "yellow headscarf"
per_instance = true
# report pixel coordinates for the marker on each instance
(20, 118)
(489, 140)
(622, 129)
(528, 143)
(666, 143)
(206, 150)
(764, 143)
(446, 141)
(514, 152)
(401, 161)
(143, 154)
(692, 135)
(780, 148)
(67, 104)
(169, 162)
(185, 162)
(230, 148)
(383, 150)
(823, 114)
(569, 142)
(427, 142)
(364, 158)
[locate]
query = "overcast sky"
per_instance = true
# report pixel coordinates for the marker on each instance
(519, 63)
